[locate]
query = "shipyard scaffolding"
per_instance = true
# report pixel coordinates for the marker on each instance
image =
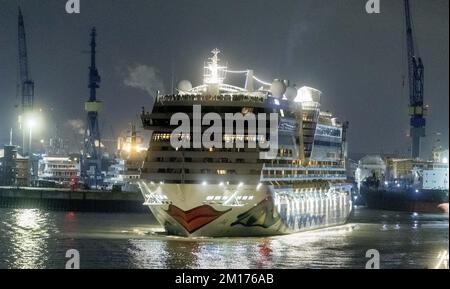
(91, 172)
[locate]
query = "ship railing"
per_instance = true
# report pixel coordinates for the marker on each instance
(202, 98)
(309, 177)
(305, 168)
(150, 198)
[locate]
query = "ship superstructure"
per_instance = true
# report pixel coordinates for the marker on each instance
(233, 191)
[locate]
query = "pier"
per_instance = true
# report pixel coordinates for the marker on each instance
(67, 200)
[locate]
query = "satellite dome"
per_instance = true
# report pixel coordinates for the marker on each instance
(277, 88)
(184, 85)
(291, 93)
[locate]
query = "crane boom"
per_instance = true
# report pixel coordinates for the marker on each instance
(416, 88)
(27, 85)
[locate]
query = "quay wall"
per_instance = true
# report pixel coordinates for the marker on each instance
(67, 200)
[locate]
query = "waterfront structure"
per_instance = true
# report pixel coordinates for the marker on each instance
(411, 184)
(58, 169)
(124, 174)
(219, 191)
(8, 170)
(13, 167)
(24, 171)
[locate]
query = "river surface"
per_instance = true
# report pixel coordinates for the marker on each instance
(33, 238)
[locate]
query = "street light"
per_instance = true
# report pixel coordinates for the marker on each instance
(31, 123)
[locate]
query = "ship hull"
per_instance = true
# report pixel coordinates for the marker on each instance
(431, 201)
(192, 210)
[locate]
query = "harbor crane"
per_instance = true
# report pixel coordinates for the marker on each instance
(26, 86)
(416, 71)
(92, 152)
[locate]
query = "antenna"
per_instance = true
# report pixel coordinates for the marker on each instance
(214, 73)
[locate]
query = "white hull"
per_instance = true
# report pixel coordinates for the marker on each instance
(196, 210)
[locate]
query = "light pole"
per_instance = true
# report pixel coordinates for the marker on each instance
(31, 123)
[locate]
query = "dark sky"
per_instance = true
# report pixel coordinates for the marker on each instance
(356, 59)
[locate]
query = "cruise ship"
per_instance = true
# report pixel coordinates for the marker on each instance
(229, 190)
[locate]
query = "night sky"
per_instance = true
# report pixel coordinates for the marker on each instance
(358, 60)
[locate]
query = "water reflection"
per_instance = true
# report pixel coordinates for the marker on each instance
(291, 251)
(29, 231)
(266, 255)
(39, 239)
(442, 262)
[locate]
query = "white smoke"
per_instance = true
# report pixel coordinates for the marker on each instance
(310, 19)
(144, 77)
(77, 125)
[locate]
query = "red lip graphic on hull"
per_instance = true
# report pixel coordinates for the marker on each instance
(195, 218)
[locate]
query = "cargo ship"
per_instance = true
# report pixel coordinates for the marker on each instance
(404, 185)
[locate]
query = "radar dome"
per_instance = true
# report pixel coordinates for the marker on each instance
(184, 85)
(291, 93)
(277, 88)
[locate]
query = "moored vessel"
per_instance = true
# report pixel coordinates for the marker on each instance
(404, 184)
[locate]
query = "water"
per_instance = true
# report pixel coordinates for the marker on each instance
(39, 239)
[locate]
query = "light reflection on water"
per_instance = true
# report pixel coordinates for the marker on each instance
(39, 239)
(26, 232)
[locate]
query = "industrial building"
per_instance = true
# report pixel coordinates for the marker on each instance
(13, 167)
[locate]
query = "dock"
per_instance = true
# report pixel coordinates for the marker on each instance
(66, 200)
